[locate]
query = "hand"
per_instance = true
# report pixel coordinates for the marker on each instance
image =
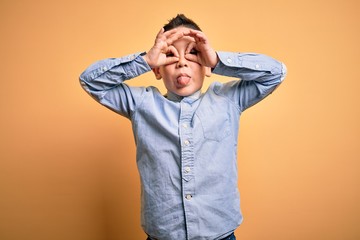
(163, 52)
(200, 51)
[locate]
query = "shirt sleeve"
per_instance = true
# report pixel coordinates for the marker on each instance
(259, 76)
(104, 81)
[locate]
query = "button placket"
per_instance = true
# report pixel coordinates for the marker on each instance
(187, 150)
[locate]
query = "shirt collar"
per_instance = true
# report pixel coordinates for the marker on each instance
(176, 98)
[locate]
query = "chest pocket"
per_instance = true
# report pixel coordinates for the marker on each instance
(215, 124)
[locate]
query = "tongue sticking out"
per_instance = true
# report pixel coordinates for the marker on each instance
(183, 80)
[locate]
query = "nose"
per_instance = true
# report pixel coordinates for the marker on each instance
(182, 61)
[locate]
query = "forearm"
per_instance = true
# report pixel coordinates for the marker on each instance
(250, 67)
(109, 73)
(260, 75)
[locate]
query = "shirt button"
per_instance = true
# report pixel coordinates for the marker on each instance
(188, 197)
(187, 169)
(184, 125)
(186, 142)
(229, 60)
(257, 66)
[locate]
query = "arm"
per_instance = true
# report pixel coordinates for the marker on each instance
(104, 79)
(260, 75)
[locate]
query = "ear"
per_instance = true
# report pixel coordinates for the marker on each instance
(157, 73)
(207, 71)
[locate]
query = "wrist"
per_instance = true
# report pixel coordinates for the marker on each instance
(215, 61)
(146, 58)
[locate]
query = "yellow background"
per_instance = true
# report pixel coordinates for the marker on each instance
(67, 164)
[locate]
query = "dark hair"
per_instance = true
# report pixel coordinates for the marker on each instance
(181, 20)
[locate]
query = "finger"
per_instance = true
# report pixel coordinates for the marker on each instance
(174, 37)
(163, 36)
(170, 60)
(173, 50)
(160, 32)
(192, 32)
(177, 34)
(190, 47)
(159, 37)
(192, 53)
(198, 35)
(192, 58)
(170, 33)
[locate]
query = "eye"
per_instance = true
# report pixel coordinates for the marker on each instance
(193, 51)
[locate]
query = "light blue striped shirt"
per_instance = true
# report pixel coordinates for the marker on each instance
(186, 146)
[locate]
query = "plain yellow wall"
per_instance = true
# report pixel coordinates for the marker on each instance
(67, 164)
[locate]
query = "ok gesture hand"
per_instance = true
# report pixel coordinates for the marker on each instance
(163, 52)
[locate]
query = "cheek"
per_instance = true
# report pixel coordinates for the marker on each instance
(166, 71)
(200, 72)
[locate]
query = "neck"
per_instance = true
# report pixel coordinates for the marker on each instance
(176, 98)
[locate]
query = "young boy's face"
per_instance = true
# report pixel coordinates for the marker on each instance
(183, 77)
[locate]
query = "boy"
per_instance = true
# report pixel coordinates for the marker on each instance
(186, 140)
